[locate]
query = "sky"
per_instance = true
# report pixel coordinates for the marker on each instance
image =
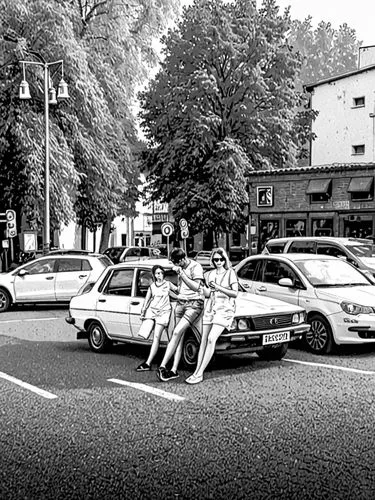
(358, 14)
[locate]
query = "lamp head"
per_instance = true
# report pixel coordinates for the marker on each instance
(24, 91)
(62, 90)
(52, 96)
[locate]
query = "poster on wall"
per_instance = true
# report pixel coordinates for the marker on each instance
(265, 196)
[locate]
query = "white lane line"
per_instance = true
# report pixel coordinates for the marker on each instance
(333, 367)
(30, 387)
(27, 319)
(147, 388)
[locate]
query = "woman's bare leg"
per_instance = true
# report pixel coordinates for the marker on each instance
(214, 334)
(158, 330)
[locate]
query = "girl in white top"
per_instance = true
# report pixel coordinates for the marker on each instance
(221, 288)
(156, 312)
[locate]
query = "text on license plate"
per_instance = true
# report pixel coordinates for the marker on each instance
(275, 338)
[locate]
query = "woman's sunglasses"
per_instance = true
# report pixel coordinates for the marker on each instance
(218, 259)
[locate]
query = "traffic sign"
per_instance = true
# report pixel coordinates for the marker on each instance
(11, 223)
(183, 224)
(167, 229)
(184, 233)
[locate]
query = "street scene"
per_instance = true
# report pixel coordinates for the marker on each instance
(187, 251)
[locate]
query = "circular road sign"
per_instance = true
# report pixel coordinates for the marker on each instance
(183, 224)
(184, 233)
(166, 229)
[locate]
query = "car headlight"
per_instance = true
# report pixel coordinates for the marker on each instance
(239, 325)
(298, 318)
(352, 308)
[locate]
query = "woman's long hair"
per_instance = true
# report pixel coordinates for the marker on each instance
(223, 253)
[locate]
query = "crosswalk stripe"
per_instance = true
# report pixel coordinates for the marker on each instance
(147, 388)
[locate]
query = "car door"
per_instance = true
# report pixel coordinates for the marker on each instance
(38, 282)
(247, 274)
(268, 281)
(72, 274)
(113, 303)
(143, 280)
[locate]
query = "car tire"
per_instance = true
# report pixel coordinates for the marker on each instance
(190, 351)
(5, 300)
(98, 340)
(274, 353)
(319, 340)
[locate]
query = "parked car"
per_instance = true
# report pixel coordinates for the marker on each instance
(339, 299)
(125, 254)
(359, 252)
(110, 312)
(203, 257)
(51, 278)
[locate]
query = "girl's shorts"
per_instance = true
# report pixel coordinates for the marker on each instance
(160, 317)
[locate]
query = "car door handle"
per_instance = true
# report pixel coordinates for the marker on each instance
(82, 276)
(261, 289)
(245, 285)
(134, 302)
(49, 278)
(102, 300)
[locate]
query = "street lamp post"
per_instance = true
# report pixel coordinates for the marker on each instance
(49, 98)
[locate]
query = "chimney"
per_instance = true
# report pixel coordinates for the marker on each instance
(366, 56)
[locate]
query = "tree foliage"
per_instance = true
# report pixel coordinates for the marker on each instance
(224, 102)
(105, 46)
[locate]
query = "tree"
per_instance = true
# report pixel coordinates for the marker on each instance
(105, 46)
(223, 103)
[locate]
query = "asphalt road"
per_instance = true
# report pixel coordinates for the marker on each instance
(301, 428)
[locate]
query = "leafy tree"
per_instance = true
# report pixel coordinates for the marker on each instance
(223, 103)
(105, 46)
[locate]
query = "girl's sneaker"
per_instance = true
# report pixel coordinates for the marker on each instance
(144, 367)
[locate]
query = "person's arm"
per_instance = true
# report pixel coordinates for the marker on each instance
(146, 303)
(230, 292)
(194, 284)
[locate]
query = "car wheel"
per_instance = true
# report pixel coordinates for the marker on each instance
(98, 340)
(273, 353)
(319, 339)
(5, 300)
(190, 351)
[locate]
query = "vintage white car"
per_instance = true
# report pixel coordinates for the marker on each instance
(109, 311)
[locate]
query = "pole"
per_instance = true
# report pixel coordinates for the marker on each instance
(46, 239)
(249, 238)
(168, 246)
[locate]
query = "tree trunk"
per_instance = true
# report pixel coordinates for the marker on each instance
(106, 229)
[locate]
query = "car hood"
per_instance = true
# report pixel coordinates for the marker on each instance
(369, 262)
(249, 303)
(364, 295)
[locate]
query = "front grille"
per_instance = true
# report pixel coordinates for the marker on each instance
(272, 321)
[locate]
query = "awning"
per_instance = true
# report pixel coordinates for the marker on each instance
(318, 186)
(360, 184)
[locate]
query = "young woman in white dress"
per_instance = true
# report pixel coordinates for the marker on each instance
(220, 290)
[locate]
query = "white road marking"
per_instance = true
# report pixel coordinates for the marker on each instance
(27, 319)
(333, 367)
(30, 387)
(147, 388)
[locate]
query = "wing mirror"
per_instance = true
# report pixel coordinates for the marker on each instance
(22, 272)
(287, 282)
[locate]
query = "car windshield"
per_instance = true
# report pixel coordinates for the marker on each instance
(114, 254)
(328, 273)
(362, 250)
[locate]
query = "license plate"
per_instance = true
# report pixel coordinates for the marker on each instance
(275, 338)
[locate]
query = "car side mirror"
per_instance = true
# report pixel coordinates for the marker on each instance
(287, 282)
(22, 272)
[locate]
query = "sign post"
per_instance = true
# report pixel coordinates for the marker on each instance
(167, 230)
(184, 231)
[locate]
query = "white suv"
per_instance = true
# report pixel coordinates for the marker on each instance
(357, 251)
(52, 278)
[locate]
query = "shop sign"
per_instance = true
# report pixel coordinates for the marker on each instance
(343, 204)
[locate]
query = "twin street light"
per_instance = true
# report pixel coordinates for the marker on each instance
(49, 98)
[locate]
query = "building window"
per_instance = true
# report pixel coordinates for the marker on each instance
(320, 190)
(358, 149)
(358, 102)
(295, 227)
(361, 188)
(265, 196)
(322, 227)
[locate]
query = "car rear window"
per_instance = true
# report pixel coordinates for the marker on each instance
(275, 247)
(114, 254)
(302, 247)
